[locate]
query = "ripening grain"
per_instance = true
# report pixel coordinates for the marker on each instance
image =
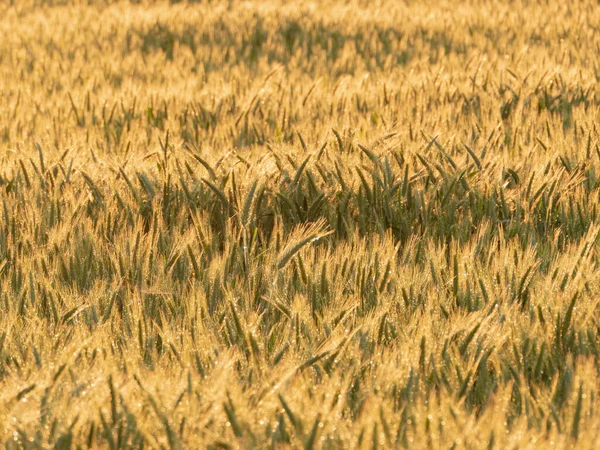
(360, 224)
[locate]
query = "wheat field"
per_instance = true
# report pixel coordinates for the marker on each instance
(297, 225)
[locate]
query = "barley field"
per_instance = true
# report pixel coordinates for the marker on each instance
(297, 225)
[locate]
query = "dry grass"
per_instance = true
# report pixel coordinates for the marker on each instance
(299, 225)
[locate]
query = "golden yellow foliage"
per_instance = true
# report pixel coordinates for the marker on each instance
(274, 224)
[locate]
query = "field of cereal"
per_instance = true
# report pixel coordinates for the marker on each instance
(271, 224)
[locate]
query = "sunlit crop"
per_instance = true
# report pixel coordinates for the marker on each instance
(294, 224)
